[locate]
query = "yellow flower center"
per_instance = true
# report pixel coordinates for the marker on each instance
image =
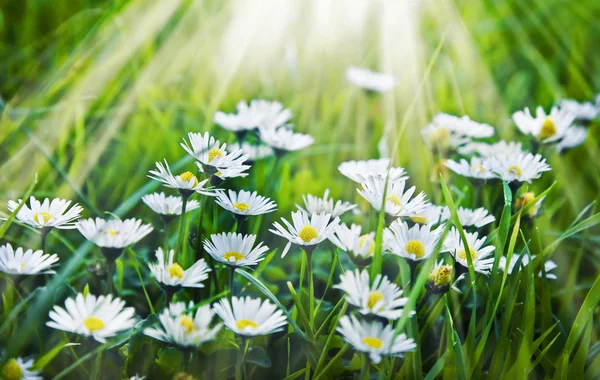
(395, 200)
(515, 170)
(93, 324)
(441, 276)
(462, 254)
(213, 153)
(419, 219)
(478, 167)
(242, 324)
(189, 176)
(45, 216)
(373, 342)
(12, 370)
(187, 323)
(440, 137)
(112, 232)
(548, 129)
(525, 199)
(374, 298)
(308, 233)
(175, 270)
(416, 248)
(363, 240)
(233, 256)
(241, 206)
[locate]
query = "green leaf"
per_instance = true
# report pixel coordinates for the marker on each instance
(258, 356)
(48, 356)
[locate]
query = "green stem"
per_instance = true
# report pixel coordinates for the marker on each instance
(181, 225)
(45, 232)
(240, 368)
(311, 285)
(364, 372)
(231, 284)
(110, 270)
(166, 235)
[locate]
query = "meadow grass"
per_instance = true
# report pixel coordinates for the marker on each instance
(94, 93)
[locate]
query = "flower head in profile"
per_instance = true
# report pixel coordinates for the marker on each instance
(47, 214)
(113, 233)
(415, 243)
(544, 127)
(100, 317)
(517, 168)
(573, 137)
(486, 150)
(283, 140)
(382, 298)
(168, 205)
(441, 278)
(449, 132)
(19, 369)
(479, 252)
(186, 183)
(370, 80)
(374, 339)
(360, 247)
(169, 273)
(431, 215)
(184, 328)
(235, 250)
(316, 205)
(360, 171)
(250, 316)
(305, 230)
(22, 262)
(212, 155)
(259, 113)
(585, 111)
(525, 260)
(471, 217)
(245, 203)
(474, 169)
(398, 202)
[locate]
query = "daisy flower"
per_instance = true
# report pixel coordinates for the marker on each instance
(212, 155)
(374, 339)
(442, 138)
(230, 172)
(316, 205)
(171, 274)
(495, 149)
(474, 169)
(480, 254)
(254, 152)
(549, 265)
(546, 128)
(575, 136)
(585, 111)
(259, 113)
(186, 183)
(370, 80)
(359, 247)
(415, 243)
(525, 199)
(440, 278)
(306, 231)
(383, 298)
(100, 317)
(245, 203)
(360, 171)
(463, 126)
(285, 140)
(468, 217)
(47, 214)
(113, 233)
(19, 369)
(519, 168)
(250, 317)
(184, 328)
(21, 262)
(398, 202)
(168, 205)
(235, 250)
(431, 215)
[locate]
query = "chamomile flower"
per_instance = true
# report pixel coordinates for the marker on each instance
(254, 152)
(245, 203)
(480, 254)
(486, 150)
(463, 126)
(230, 172)
(471, 217)
(440, 278)
(549, 265)
(170, 274)
(19, 369)
(285, 140)
(316, 205)
(47, 214)
(526, 199)
(431, 215)
(415, 243)
(168, 205)
(370, 80)
(440, 137)
(246, 118)
(398, 202)
(373, 338)
(359, 247)
(235, 250)
(21, 262)
(250, 317)
(360, 171)
(185, 329)
(100, 317)
(575, 136)
(383, 298)
(212, 155)
(113, 233)
(519, 168)
(186, 183)
(474, 169)
(544, 127)
(306, 231)
(585, 111)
